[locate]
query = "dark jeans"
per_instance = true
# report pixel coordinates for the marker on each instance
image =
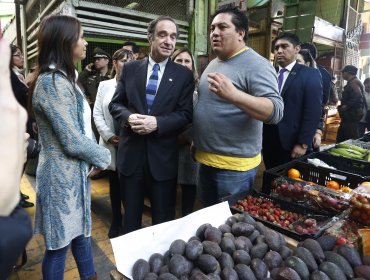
(215, 183)
(54, 261)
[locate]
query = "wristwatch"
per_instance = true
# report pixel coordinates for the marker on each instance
(304, 146)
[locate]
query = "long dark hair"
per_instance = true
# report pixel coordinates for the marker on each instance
(57, 37)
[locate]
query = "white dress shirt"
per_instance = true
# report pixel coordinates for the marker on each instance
(286, 73)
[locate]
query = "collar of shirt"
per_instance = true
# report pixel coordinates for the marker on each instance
(289, 67)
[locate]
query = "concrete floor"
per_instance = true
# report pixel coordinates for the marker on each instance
(102, 250)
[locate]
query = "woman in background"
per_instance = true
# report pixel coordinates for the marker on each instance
(188, 169)
(68, 148)
(109, 137)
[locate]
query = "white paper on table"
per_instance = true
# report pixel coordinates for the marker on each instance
(141, 244)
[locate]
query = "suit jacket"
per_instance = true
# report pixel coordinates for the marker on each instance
(302, 95)
(172, 107)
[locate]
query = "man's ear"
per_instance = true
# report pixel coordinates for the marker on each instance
(150, 36)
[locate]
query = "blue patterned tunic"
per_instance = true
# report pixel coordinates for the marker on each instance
(62, 188)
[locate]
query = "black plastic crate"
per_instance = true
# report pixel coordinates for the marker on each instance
(310, 173)
(348, 165)
(323, 221)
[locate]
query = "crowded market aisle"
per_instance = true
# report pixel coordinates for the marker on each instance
(102, 249)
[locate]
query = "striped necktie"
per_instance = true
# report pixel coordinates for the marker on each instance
(151, 88)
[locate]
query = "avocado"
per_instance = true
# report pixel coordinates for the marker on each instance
(319, 275)
(229, 273)
(207, 263)
(306, 257)
(241, 256)
(254, 236)
(259, 268)
(327, 242)
(273, 239)
(177, 247)
(246, 218)
(167, 257)
(151, 276)
(287, 273)
(194, 238)
(244, 272)
(211, 248)
(198, 275)
(214, 276)
(332, 270)
(224, 228)
(285, 252)
(193, 249)
(241, 228)
(229, 235)
(261, 228)
(274, 272)
(260, 239)
(167, 276)
(299, 266)
(179, 266)
(213, 234)
(363, 271)
(247, 243)
(314, 247)
(350, 254)
(140, 269)
(156, 261)
(231, 220)
(164, 269)
(341, 262)
(259, 250)
(227, 245)
(201, 229)
(272, 259)
(225, 260)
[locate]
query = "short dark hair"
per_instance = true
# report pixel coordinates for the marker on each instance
(135, 48)
(238, 18)
(307, 57)
(152, 25)
(311, 48)
(291, 37)
(367, 81)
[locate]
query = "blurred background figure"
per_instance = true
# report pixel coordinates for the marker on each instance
(333, 95)
(131, 46)
(365, 121)
(109, 137)
(352, 107)
(68, 148)
(20, 89)
(188, 168)
(304, 57)
(15, 223)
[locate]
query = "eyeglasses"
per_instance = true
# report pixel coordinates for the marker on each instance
(19, 55)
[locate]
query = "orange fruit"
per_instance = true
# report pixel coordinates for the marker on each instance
(332, 185)
(346, 189)
(294, 173)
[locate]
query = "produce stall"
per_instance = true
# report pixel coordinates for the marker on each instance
(309, 222)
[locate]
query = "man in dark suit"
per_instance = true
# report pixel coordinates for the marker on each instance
(152, 105)
(301, 90)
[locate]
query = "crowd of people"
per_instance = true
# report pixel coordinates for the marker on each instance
(158, 125)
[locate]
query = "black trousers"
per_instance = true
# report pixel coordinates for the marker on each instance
(162, 196)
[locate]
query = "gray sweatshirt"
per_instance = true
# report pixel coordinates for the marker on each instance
(222, 128)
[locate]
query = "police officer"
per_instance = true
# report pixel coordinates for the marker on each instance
(94, 73)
